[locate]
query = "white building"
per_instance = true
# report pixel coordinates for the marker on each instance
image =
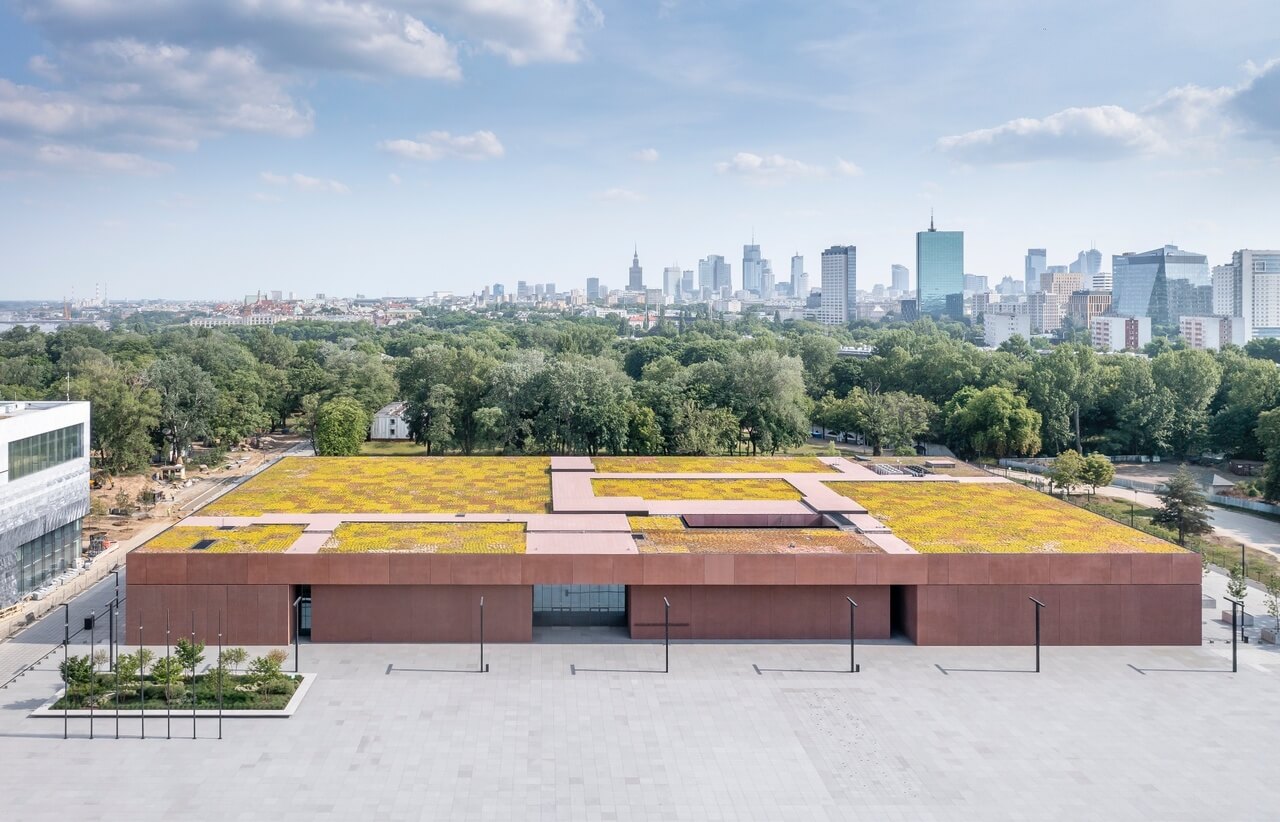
(839, 284)
(389, 423)
(1114, 333)
(799, 278)
(223, 320)
(44, 492)
(1211, 333)
(999, 327)
(1250, 288)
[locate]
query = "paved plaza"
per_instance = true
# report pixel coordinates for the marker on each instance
(581, 726)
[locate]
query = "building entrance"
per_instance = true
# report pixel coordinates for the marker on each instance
(579, 605)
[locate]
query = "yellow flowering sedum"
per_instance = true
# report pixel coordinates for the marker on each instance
(383, 485)
(709, 465)
(268, 539)
(697, 489)
(428, 538)
(663, 539)
(997, 518)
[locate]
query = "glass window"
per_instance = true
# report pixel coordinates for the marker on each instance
(41, 451)
(47, 556)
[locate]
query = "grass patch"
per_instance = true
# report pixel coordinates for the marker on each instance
(945, 517)
(266, 539)
(697, 489)
(392, 448)
(710, 465)
(365, 485)
(428, 538)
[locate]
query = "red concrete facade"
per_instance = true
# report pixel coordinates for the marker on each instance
(1105, 599)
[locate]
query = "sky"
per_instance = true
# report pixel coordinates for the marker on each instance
(214, 148)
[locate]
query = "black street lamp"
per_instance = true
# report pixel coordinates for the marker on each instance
(66, 681)
(484, 669)
(297, 629)
(853, 666)
(1039, 606)
(1234, 605)
(1244, 580)
(666, 635)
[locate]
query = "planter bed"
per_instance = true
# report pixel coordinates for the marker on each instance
(178, 709)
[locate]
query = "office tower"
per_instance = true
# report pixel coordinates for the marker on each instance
(44, 493)
(550, 289)
(901, 278)
(752, 267)
(499, 290)
(939, 268)
(671, 280)
(539, 290)
(1141, 282)
(1101, 281)
(718, 274)
(839, 284)
(976, 283)
(522, 290)
(635, 274)
(1035, 264)
(1083, 306)
(766, 279)
(799, 279)
(593, 288)
(1087, 263)
(1250, 289)
(686, 281)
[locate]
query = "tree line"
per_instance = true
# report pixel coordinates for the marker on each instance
(550, 384)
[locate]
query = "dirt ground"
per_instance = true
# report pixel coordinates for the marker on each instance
(171, 496)
(1161, 471)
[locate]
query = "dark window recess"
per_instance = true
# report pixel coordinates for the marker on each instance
(202, 544)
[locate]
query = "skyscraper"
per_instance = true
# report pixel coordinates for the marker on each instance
(939, 268)
(1141, 281)
(839, 284)
(671, 280)
(593, 288)
(1087, 263)
(635, 274)
(766, 279)
(686, 282)
(719, 274)
(1035, 264)
(1250, 288)
(901, 281)
(752, 267)
(799, 279)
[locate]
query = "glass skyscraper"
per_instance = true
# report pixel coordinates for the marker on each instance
(1140, 282)
(1035, 264)
(939, 268)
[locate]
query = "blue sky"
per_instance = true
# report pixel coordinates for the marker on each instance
(211, 149)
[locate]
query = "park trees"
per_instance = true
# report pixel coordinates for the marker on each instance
(1192, 378)
(1097, 472)
(1268, 433)
(124, 410)
(991, 422)
(341, 425)
(186, 401)
(1183, 506)
(1067, 470)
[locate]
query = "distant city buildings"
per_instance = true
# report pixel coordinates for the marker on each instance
(1115, 333)
(997, 328)
(799, 279)
(1087, 264)
(839, 284)
(593, 289)
(752, 268)
(671, 276)
(635, 274)
(715, 273)
(900, 278)
(1211, 333)
(939, 268)
(1249, 288)
(1035, 264)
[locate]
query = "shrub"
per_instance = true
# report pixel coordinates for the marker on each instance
(280, 685)
(189, 654)
(264, 668)
(233, 658)
(167, 672)
(76, 670)
(278, 656)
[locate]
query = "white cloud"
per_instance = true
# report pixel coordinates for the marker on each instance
(394, 179)
(848, 169)
(776, 168)
(619, 195)
(74, 158)
(264, 197)
(645, 155)
(436, 145)
(304, 183)
(1186, 119)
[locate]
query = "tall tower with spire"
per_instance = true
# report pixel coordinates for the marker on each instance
(635, 274)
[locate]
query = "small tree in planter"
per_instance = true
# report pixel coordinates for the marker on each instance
(1273, 605)
(189, 654)
(1237, 587)
(233, 658)
(76, 670)
(167, 672)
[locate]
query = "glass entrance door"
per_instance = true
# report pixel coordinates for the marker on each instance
(581, 605)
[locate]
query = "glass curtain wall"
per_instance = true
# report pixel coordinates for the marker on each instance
(36, 453)
(44, 558)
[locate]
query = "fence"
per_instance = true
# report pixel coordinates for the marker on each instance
(1246, 504)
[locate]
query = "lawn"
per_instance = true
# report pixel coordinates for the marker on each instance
(428, 538)
(697, 489)
(667, 535)
(709, 465)
(369, 485)
(945, 517)
(267, 539)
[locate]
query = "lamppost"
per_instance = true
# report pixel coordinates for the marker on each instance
(666, 635)
(1244, 580)
(297, 629)
(66, 681)
(112, 650)
(1234, 604)
(1039, 605)
(853, 607)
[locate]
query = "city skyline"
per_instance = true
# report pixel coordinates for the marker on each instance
(408, 147)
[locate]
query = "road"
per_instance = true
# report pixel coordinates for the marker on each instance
(1256, 532)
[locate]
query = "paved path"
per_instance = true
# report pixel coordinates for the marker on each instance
(1256, 532)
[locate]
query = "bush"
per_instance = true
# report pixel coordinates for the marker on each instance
(76, 670)
(282, 686)
(264, 669)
